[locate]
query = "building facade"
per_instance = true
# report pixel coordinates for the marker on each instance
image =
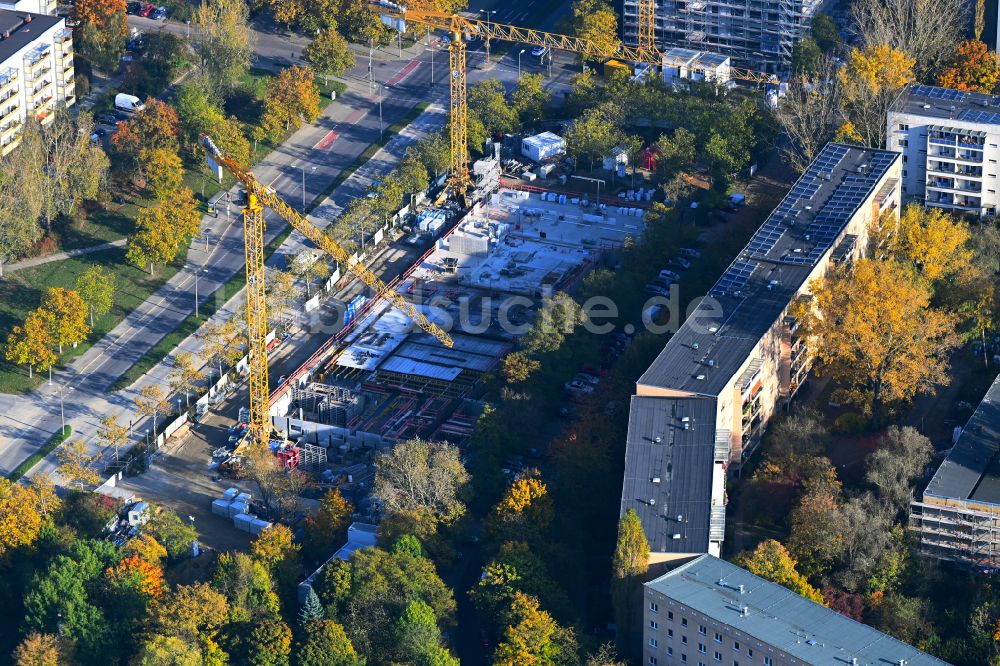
(759, 34)
(709, 611)
(950, 141)
(31, 6)
(739, 357)
(36, 71)
(958, 517)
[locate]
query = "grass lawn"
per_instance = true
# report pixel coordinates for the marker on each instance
(21, 292)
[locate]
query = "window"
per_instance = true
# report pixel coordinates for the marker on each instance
(684, 622)
(702, 649)
(768, 662)
(684, 640)
(750, 652)
(654, 607)
(653, 625)
(670, 615)
(903, 127)
(652, 661)
(670, 652)
(702, 630)
(653, 643)
(684, 658)
(904, 159)
(904, 173)
(718, 656)
(736, 646)
(718, 637)
(670, 633)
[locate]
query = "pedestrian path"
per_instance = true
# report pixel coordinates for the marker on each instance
(59, 256)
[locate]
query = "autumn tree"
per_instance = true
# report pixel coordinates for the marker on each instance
(772, 561)
(156, 127)
(184, 376)
(138, 575)
(163, 229)
(67, 314)
(326, 528)
(810, 113)
(533, 637)
(163, 171)
(897, 463)
(101, 32)
(291, 99)
(630, 563)
(516, 568)
(524, 513)
(96, 287)
(933, 241)
(595, 20)
(20, 207)
(605, 656)
(43, 650)
(816, 538)
(111, 434)
(224, 342)
(973, 67)
(421, 481)
(247, 585)
(190, 619)
(223, 42)
(151, 402)
(173, 532)
(870, 82)
(875, 332)
(326, 644)
(32, 343)
(518, 367)
(146, 548)
(329, 54)
(20, 519)
(77, 464)
(925, 30)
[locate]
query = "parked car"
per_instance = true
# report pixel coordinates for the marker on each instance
(587, 378)
(106, 118)
(679, 262)
(691, 253)
(98, 134)
(133, 8)
(577, 386)
(159, 14)
(147, 9)
(654, 289)
(670, 275)
(540, 51)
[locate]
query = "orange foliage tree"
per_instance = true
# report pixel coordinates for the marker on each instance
(102, 31)
(136, 573)
(973, 67)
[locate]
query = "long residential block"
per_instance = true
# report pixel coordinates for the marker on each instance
(701, 408)
(36, 71)
(709, 611)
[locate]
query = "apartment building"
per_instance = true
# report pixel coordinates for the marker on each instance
(36, 71)
(759, 34)
(31, 6)
(949, 140)
(710, 612)
(958, 517)
(701, 408)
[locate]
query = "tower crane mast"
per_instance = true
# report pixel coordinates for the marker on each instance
(260, 197)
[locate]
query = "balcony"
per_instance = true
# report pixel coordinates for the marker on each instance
(40, 90)
(8, 79)
(953, 185)
(9, 144)
(9, 128)
(67, 74)
(34, 62)
(8, 113)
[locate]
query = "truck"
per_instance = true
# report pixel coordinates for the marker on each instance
(128, 103)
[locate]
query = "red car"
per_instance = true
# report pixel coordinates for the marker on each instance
(147, 9)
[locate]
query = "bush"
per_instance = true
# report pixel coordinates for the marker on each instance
(850, 423)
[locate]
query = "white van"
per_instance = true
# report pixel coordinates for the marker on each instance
(128, 103)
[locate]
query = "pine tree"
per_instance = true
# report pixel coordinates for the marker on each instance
(312, 609)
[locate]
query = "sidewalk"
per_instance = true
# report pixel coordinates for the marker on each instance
(59, 256)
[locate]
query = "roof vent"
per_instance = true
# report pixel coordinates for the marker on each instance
(902, 662)
(652, 501)
(951, 108)
(657, 440)
(711, 362)
(700, 377)
(685, 419)
(721, 582)
(695, 345)
(655, 479)
(744, 611)
(742, 588)
(675, 535)
(854, 661)
(811, 641)
(713, 329)
(927, 106)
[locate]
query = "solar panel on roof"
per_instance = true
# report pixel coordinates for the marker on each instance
(974, 116)
(933, 92)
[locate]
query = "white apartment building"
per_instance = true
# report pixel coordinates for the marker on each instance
(701, 407)
(31, 6)
(36, 71)
(709, 611)
(950, 141)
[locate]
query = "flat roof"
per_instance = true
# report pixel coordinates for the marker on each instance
(22, 33)
(717, 339)
(972, 469)
(948, 104)
(788, 621)
(669, 482)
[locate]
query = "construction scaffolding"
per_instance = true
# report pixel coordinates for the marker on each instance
(956, 533)
(759, 34)
(325, 403)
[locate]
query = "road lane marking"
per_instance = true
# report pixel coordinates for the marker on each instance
(326, 141)
(403, 73)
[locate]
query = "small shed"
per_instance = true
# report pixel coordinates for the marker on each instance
(138, 514)
(617, 156)
(543, 146)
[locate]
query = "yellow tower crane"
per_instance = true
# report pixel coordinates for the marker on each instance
(259, 197)
(458, 27)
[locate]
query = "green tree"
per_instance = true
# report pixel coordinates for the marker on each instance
(223, 42)
(772, 561)
(173, 533)
(68, 316)
(488, 102)
(678, 153)
(248, 587)
(806, 57)
(268, 643)
(559, 316)
(326, 644)
(312, 609)
(329, 54)
(97, 286)
(435, 153)
(596, 21)
(630, 563)
(825, 32)
(416, 632)
(592, 135)
(530, 97)
(101, 31)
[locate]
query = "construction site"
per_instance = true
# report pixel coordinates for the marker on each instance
(381, 380)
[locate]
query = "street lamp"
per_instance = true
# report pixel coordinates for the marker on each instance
(197, 272)
(488, 12)
(381, 128)
(432, 62)
(178, 406)
(519, 63)
(62, 408)
(303, 167)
